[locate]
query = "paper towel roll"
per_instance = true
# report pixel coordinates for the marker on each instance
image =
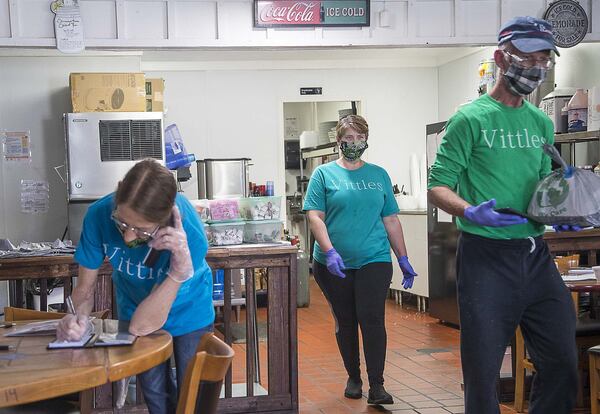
(594, 109)
(309, 139)
(423, 173)
(413, 171)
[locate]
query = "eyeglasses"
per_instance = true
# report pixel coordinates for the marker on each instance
(529, 61)
(123, 227)
(352, 138)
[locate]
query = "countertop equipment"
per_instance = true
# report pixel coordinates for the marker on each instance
(223, 177)
(101, 147)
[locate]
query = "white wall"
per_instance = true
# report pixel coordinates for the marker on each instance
(458, 81)
(35, 94)
(240, 113)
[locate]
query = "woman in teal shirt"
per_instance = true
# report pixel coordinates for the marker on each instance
(353, 217)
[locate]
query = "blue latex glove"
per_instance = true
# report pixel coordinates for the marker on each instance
(407, 271)
(565, 227)
(335, 264)
(485, 215)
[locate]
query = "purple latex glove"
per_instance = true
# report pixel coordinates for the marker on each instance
(485, 215)
(407, 271)
(335, 264)
(565, 227)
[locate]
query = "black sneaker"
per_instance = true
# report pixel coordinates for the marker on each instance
(353, 389)
(378, 395)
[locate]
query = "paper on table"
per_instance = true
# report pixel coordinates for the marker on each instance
(579, 277)
(41, 328)
(87, 336)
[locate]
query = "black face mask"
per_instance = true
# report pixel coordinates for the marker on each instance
(354, 150)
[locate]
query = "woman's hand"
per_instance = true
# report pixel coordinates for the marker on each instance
(71, 327)
(174, 239)
(407, 271)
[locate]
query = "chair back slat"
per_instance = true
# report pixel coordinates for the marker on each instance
(204, 376)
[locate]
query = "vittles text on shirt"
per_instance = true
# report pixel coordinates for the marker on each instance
(510, 140)
(357, 185)
(128, 267)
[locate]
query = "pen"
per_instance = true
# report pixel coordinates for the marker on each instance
(70, 306)
(5, 347)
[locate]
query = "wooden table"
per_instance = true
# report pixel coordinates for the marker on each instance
(282, 346)
(585, 241)
(30, 372)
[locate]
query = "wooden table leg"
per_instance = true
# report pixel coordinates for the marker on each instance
(278, 334)
(227, 323)
(251, 347)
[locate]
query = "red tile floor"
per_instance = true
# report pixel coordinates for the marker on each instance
(422, 369)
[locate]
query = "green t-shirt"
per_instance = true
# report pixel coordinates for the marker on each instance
(354, 203)
(491, 150)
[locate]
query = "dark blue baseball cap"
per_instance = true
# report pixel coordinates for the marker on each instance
(528, 34)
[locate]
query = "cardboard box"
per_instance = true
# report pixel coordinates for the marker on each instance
(108, 92)
(155, 95)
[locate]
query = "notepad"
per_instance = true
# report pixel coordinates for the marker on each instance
(579, 277)
(103, 332)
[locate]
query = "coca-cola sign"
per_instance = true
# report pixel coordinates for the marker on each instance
(286, 13)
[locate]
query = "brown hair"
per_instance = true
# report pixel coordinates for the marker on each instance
(356, 122)
(149, 189)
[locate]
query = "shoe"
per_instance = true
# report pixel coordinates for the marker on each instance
(353, 389)
(378, 395)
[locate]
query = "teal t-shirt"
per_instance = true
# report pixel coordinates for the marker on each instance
(354, 203)
(491, 150)
(100, 238)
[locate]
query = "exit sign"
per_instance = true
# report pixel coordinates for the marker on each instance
(311, 91)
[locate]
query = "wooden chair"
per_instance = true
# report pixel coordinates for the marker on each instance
(587, 335)
(204, 376)
(12, 314)
(594, 355)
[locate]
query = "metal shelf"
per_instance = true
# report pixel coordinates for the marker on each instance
(322, 150)
(575, 137)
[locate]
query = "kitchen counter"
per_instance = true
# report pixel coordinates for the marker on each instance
(414, 212)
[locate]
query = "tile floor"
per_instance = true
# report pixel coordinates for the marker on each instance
(422, 370)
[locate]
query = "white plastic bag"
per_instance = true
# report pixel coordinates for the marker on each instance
(568, 195)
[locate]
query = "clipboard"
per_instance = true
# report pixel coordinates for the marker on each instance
(104, 332)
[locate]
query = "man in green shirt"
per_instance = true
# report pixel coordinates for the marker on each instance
(491, 157)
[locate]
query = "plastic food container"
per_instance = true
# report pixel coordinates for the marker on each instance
(263, 231)
(225, 234)
(202, 208)
(260, 208)
(224, 209)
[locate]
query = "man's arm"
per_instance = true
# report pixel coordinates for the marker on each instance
(447, 200)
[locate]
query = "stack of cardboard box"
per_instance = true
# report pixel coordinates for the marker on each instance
(116, 92)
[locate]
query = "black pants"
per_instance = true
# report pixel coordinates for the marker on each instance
(501, 284)
(359, 299)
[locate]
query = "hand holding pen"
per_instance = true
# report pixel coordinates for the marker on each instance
(72, 326)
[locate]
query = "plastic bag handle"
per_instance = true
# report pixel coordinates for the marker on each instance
(555, 155)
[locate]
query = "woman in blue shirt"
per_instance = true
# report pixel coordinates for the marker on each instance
(353, 217)
(175, 293)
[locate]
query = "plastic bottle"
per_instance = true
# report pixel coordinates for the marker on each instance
(270, 188)
(218, 291)
(175, 153)
(578, 107)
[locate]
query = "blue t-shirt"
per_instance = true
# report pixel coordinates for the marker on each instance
(100, 238)
(354, 203)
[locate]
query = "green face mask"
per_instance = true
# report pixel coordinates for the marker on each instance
(353, 150)
(136, 243)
